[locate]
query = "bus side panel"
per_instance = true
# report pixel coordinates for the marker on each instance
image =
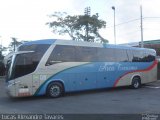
(78, 78)
(97, 75)
(105, 74)
(85, 81)
(150, 76)
(147, 75)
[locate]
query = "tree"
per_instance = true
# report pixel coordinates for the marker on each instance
(2, 67)
(15, 43)
(78, 27)
(1, 56)
(2, 49)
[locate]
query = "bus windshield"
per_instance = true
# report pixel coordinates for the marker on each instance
(25, 63)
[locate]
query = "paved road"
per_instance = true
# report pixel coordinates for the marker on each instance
(121, 100)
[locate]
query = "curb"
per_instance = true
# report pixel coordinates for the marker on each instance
(154, 83)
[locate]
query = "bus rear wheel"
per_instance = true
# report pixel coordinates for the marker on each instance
(136, 83)
(55, 90)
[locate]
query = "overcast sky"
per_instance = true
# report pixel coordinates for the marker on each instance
(25, 19)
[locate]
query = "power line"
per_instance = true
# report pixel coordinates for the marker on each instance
(127, 22)
(124, 22)
(129, 33)
(133, 21)
(152, 17)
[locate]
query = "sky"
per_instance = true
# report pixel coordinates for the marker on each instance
(26, 19)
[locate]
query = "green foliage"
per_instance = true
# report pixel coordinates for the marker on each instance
(78, 27)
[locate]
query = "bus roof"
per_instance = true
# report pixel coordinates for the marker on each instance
(44, 41)
(80, 43)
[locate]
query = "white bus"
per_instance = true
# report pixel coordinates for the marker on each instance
(53, 67)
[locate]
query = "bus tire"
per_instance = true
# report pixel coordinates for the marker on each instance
(55, 90)
(136, 83)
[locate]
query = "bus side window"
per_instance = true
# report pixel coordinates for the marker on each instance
(149, 57)
(141, 56)
(121, 55)
(61, 53)
(86, 54)
(138, 56)
(130, 55)
(106, 55)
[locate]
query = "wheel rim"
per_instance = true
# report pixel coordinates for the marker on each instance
(136, 84)
(55, 91)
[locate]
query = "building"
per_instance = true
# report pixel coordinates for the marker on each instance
(154, 44)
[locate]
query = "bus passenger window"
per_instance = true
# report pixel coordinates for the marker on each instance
(86, 54)
(61, 53)
(121, 55)
(106, 55)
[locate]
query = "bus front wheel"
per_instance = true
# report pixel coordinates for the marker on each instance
(136, 83)
(55, 90)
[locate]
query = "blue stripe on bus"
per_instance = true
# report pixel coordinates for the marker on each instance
(92, 75)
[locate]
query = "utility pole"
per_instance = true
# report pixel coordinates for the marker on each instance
(113, 8)
(87, 13)
(142, 44)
